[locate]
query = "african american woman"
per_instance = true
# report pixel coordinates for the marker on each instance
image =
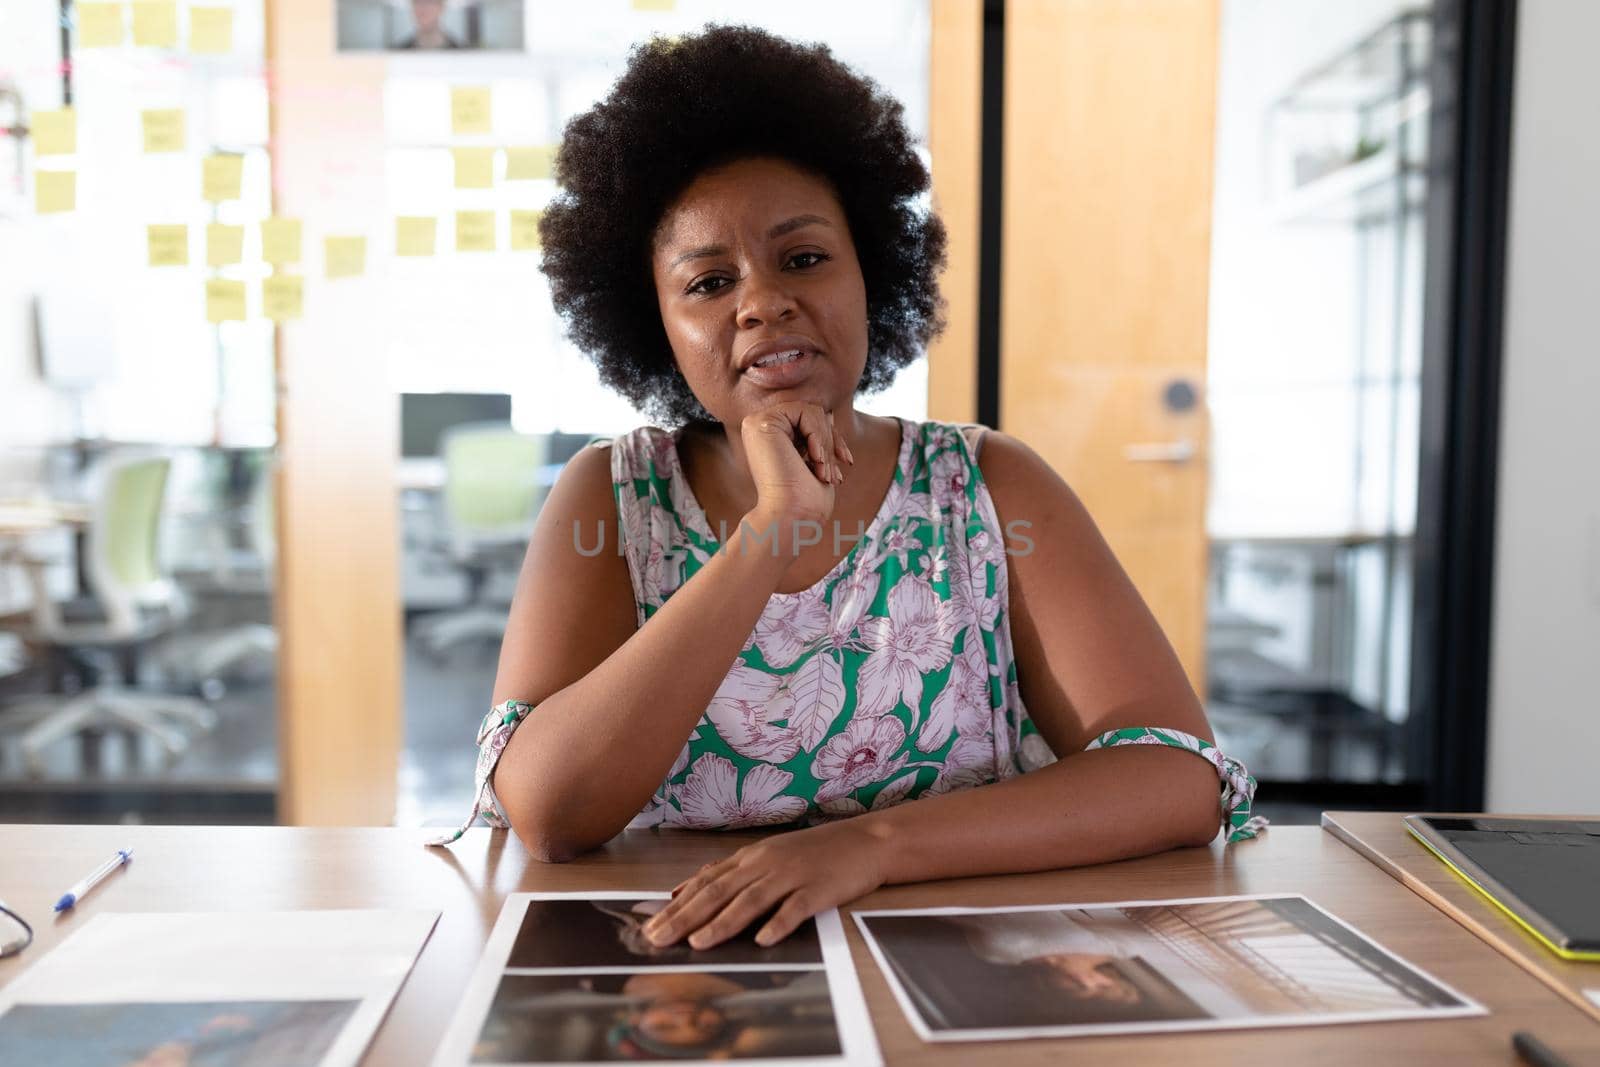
(905, 640)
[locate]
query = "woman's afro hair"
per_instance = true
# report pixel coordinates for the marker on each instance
(687, 105)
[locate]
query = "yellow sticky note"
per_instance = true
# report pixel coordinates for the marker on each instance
(654, 5)
(210, 30)
(344, 257)
(474, 231)
(163, 130)
(525, 230)
(155, 23)
(55, 133)
(469, 109)
(224, 244)
(99, 25)
(530, 162)
(280, 241)
(283, 297)
(220, 176)
(55, 191)
(168, 245)
(224, 300)
(474, 168)
(413, 235)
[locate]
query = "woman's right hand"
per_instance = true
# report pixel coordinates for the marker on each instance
(796, 460)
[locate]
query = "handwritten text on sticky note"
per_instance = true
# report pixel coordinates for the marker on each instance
(155, 23)
(344, 257)
(220, 176)
(163, 130)
(474, 231)
(224, 300)
(529, 162)
(224, 244)
(469, 109)
(280, 241)
(283, 297)
(413, 235)
(474, 167)
(210, 30)
(99, 25)
(168, 245)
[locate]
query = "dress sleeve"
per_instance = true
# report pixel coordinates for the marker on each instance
(1238, 785)
(493, 733)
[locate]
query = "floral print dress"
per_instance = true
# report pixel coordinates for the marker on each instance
(892, 677)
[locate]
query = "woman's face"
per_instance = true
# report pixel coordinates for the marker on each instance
(754, 262)
(680, 1022)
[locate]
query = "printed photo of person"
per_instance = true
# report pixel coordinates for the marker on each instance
(1233, 961)
(210, 1034)
(580, 934)
(429, 25)
(1002, 970)
(659, 1015)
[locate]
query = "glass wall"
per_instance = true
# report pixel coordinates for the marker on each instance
(474, 340)
(136, 415)
(1315, 342)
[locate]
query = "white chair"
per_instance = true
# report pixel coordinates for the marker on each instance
(138, 604)
(492, 493)
(206, 660)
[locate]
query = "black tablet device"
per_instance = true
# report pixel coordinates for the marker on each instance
(1544, 873)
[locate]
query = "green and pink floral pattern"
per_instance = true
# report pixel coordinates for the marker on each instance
(890, 678)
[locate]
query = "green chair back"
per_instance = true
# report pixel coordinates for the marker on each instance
(126, 531)
(491, 477)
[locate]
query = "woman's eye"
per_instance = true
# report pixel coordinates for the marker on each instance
(814, 257)
(704, 285)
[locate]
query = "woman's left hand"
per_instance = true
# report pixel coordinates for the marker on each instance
(798, 873)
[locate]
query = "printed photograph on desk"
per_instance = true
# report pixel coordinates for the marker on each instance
(589, 932)
(243, 988)
(571, 978)
(240, 1033)
(660, 1014)
(981, 974)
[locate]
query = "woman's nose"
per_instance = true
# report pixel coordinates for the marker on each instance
(764, 300)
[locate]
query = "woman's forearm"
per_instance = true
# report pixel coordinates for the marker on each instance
(588, 758)
(1090, 807)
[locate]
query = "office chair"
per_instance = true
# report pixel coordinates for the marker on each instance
(139, 604)
(207, 660)
(13, 657)
(492, 492)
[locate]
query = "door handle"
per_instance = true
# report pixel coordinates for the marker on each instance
(1160, 452)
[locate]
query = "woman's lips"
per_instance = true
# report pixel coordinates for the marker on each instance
(783, 375)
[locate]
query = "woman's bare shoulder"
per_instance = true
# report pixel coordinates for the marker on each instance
(583, 489)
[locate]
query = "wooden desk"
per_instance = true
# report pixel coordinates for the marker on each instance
(18, 518)
(239, 869)
(1382, 838)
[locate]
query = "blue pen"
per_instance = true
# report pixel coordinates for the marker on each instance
(76, 893)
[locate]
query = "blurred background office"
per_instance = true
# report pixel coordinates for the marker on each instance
(1289, 290)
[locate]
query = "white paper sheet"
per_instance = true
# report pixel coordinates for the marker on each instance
(1140, 966)
(348, 957)
(857, 1044)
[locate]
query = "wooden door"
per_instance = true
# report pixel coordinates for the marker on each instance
(338, 598)
(1109, 111)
